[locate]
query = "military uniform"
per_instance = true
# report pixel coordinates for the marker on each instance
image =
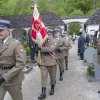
(60, 54)
(67, 41)
(49, 65)
(12, 61)
(48, 62)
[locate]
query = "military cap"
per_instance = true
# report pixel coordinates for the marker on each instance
(65, 33)
(4, 24)
(50, 31)
(58, 29)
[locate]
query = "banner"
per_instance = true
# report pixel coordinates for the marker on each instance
(39, 32)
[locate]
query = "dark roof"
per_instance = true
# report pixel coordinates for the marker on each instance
(75, 17)
(95, 19)
(21, 21)
(97, 12)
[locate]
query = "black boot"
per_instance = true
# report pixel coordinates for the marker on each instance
(52, 90)
(43, 95)
(61, 76)
(66, 67)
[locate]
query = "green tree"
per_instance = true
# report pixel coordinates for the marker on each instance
(74, 28)
(60, 7)
(76, 13)
(84, 5)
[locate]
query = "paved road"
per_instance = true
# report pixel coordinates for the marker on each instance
(75, 85)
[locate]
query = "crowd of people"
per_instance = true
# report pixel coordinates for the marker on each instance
(54, 53)
(13, 59)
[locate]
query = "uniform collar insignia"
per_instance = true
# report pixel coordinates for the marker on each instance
(5, 46)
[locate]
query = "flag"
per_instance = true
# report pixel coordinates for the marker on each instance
(39, 32)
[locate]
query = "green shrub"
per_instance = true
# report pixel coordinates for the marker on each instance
(90, 69)
(27, 49)
(28, 59)
(25, 44)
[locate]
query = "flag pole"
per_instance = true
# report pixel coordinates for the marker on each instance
(39, 52)
(39, 34)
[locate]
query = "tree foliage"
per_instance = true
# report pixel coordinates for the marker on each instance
(60, 7)
(74, 28)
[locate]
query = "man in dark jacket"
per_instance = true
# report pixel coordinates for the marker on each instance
(34, 49)
(81, 48)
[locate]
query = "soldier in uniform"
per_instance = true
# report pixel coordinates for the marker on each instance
(12, 61)
(49, 65)
(67, 41)
(60, 51)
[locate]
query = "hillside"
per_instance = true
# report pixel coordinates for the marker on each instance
(60, 7)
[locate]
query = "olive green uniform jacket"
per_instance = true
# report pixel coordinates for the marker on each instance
(47, 58)
(12, 54)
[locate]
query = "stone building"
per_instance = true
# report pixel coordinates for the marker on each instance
(93, 23)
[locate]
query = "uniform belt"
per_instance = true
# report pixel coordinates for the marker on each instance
(6, 67)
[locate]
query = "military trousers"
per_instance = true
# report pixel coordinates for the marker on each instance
(15, 92)
(66, 59)
(44, 74)
(61, 65)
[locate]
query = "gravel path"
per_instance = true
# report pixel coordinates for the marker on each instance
(75, 85)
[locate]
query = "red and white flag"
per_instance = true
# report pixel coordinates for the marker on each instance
(39, 32)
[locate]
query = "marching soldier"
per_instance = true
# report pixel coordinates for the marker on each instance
(59, 51)
(67, 40)
(12, 61)
(49, 65)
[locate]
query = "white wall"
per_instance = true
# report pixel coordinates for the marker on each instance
(82, 20)
(90, 29)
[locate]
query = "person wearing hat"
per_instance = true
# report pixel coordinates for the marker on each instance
(60, 51)
(49, 64)
(12, 61)
(67, 40)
